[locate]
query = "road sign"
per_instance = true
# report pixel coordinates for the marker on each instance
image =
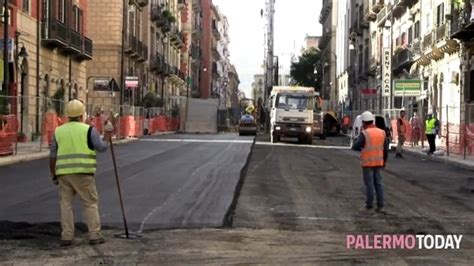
(407, 87)
(131, 82)
(10, 49)
(386, 72)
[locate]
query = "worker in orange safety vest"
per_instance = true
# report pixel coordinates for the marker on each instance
(373, 145)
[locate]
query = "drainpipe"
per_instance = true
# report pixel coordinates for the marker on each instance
(70, 78)
(122, 53)
(38, 78)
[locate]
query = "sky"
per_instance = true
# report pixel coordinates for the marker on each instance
(294, 19)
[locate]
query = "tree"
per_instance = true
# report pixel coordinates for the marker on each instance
(302, 72)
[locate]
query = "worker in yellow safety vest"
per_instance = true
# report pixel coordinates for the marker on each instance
(73, 166)
(431, 130)
(373, 145)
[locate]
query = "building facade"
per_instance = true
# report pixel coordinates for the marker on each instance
(329, 19)
(48, 59)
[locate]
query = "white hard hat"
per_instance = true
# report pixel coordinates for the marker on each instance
(367, 116)
(430, 112)
(75, 108)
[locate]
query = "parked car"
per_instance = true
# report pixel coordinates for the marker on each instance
(247, 125)
(380, 122)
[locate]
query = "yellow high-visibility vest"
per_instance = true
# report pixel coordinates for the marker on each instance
(74, 155)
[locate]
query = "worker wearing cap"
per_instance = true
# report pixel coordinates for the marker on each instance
(73, 165)
(373, 145)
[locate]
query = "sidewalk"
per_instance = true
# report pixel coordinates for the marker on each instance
(452, 159)
(31, 151)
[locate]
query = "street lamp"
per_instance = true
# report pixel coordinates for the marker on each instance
(20, 56)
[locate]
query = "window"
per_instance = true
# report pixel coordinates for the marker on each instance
(139, 25)
(76, 19)
(62, 11)
(410, 34)
(131, 22)
(25, 5)
(294, 101)
(417, 29)
(440, 15)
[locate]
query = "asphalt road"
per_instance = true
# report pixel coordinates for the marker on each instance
(178, 181)
(290, 188)
(296, 206)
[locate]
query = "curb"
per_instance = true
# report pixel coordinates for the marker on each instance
(441, 159)
(24, 158)
(44, 154)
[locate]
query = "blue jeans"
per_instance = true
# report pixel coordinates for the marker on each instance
(373, 180)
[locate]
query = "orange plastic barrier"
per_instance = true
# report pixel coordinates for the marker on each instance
(139, 127)
(161, 124)
(50, 122)
(8, 132)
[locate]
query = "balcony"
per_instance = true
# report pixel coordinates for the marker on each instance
(215, 31)
(54, 33)
(382, 17)
(215, 73)
(76, 43)
(402, 60)
(195, 52)
(156, 62)
(197, 6)
(144, 52)
(441, 33)
(377, 5)
(215, 52)
(356, 27)
(197, 33)
(133, 46)
(86, 50)
(182, 4)
(462, 24)
(156, 13)
(324, 41)
(399, 8)
(325, 11)
(416, 48)
(409, 3)
(427, 42)
(370, 16)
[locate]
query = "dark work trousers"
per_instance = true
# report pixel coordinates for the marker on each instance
(431, 140)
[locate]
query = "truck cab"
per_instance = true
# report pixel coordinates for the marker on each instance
(291, 113)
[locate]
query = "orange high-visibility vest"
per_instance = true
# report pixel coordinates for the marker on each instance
(402, 130)
(372, 153)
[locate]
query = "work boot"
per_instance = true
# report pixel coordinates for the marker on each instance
(380, 210)
(97, 241)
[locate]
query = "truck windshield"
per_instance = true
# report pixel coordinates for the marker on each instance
(294, 101)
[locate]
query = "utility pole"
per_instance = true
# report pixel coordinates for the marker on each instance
(270, 13)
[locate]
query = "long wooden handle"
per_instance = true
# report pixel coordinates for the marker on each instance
(118, 188)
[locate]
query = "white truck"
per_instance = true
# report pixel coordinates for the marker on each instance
(291, 113)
